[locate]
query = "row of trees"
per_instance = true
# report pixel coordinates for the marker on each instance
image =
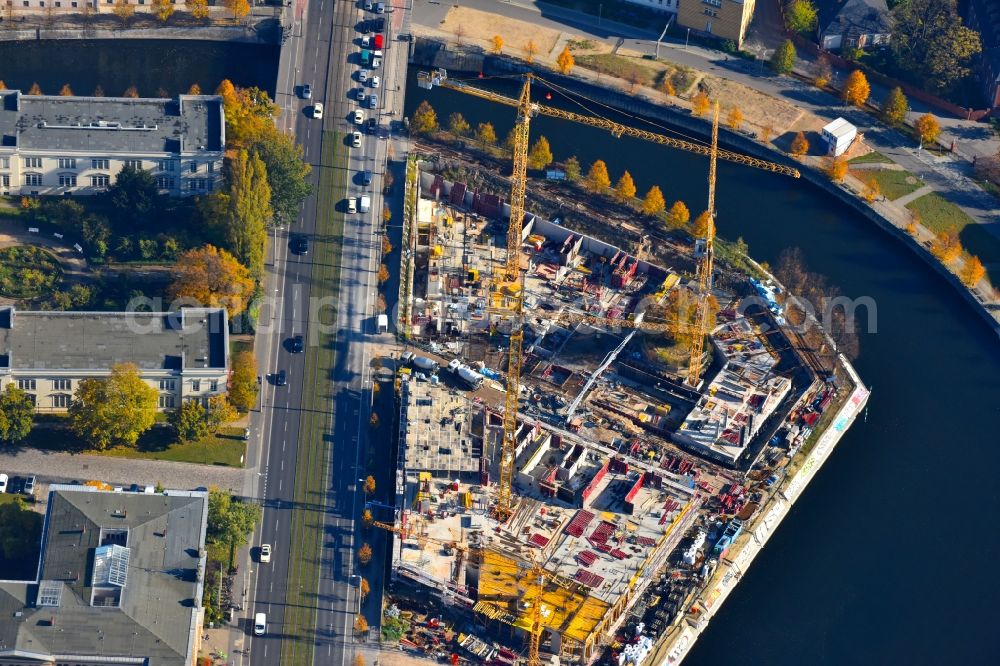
(131, 92)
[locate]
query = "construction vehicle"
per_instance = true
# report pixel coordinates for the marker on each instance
(507, 297)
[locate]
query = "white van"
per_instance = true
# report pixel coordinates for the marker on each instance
(364, 203)
(259, 624)
(352, 205)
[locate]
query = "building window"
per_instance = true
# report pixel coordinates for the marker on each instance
(196, 385)
(5, 180)
(166, 165)
(194, 167)
(100, 180)
(211, 185)
(202, 183)
(32, 162)
(26, 384)
(135, 164)
(714, 3)
(166, 401)
(67, 180)
(99, 164)
(713, 14)
(213, 386)
(33, 179)
(67, 163)
(62, 384)
(165, 183)
(61, 400)
(211, 167)
(167, 385)
(4, 162)
(192, 186)
(31, 399)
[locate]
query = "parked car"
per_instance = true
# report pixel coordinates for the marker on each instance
(380, 8)
(366, 41)
(29, 486)
(265, 553)
(4, 480)
(307, 91)
(352, 206)
(362, 75)
(359, 117)
(366, 177)
(318, 110)
(360, 94)
(356, 139)
(300, 245)
(379, 41)
(372, 101)
(376, 63)
(372, 126)
(375, 82)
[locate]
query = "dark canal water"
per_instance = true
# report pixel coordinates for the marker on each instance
(888, 557)
(147, 64)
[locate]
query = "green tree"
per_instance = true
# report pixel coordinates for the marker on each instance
(598, 179)
(801, 15)
(230, 521)
(457, 124)
(424, 120)
(113, 411)
(930, 44)
(485, 134)
(572, 169)
(134, 201)
(625, 188)
(16, 414)
(243, 381)
(653, 203)
(220, 412)
(783, 58)
(249, 211)
(287, 173)
(540, 155)
(189, 421)
(895, 108)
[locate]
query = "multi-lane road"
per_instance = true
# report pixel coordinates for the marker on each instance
(321, 50)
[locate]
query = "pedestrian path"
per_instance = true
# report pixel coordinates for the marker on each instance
(914, 195)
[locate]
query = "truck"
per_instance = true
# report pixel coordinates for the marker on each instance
(469, 376)
(366, 57)
(424, 363)
(383, 323)
(364, 203)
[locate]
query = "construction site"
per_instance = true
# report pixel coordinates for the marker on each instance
(585, 435)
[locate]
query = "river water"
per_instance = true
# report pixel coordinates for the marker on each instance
(888, 556)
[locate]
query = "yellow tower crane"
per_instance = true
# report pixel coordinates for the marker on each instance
(508, 289)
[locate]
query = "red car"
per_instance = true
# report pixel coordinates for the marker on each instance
(379, 39)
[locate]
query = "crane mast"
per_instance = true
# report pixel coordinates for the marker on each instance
(705, 249)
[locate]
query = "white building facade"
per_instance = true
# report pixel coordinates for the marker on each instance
(184, 355)
(69, 146)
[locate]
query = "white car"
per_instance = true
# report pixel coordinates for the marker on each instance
(3, 482)
(375, 82)
(366, 41)
(362, 75)
(376, 63)
(265, 553)
(356, 139)
(318, 110)
(359, 117)
(372, 101)
(260, 624)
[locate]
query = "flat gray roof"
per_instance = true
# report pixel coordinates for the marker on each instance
(98, 126)
(190, 339)
(155, 616)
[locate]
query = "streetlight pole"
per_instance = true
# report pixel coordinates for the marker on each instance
(600, 13)
(686, 37)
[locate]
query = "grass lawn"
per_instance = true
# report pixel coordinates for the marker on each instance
(893, 184)
(620, 66)
(9, 498)
(225, 447)
(304, 560)
(873, 157)
(940, 215)
(237, 345)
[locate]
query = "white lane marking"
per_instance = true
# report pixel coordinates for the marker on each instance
(280, 484)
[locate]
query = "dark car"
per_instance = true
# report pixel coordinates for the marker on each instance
(300, 245)
(366, 177)
(372, 125)
(297, 345)
(378, 25)
(281, 378)
(364, 27)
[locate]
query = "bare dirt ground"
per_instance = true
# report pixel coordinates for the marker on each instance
(480, 27)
